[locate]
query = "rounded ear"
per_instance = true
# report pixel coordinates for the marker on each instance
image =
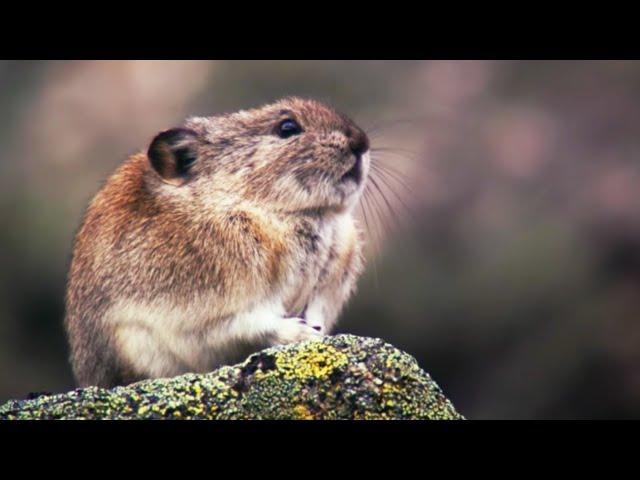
(172, 153)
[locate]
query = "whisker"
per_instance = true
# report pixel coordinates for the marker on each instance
(376, 220)
(395, 150)
(384, 179)
(436, 115)
(366, 221)
(400, 179)
(404, 157)
(382, 157)
(395, 174)
(380, 212)
(392, 211)
(365, 204)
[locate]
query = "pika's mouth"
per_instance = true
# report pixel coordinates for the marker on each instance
(355, 174)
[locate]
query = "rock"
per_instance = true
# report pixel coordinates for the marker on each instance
(338, 377)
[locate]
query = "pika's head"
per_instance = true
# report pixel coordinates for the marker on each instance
(292, 155)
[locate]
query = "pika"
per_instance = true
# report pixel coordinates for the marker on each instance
(230, 234)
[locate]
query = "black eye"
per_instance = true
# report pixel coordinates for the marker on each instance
(288, 128)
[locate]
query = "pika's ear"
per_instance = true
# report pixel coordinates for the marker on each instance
(172, 153)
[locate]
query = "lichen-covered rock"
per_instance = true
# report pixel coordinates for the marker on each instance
(338, 377)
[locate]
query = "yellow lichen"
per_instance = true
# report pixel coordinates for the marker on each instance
(317, 360)
(388, 388)
(301, 412)
(143, 409)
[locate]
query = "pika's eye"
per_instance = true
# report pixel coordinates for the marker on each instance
(288, 128)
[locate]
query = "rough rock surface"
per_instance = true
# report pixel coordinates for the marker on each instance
(339, 377)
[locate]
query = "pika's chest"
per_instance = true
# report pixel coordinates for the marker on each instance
(314, 259)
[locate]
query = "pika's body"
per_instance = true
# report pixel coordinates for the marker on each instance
(232, 233)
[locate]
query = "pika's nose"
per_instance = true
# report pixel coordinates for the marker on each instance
(358, 140)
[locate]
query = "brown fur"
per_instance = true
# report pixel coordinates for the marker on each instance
(258, 217)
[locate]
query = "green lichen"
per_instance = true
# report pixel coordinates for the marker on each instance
(338, 377)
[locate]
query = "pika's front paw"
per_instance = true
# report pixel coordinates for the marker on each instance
(294, 329)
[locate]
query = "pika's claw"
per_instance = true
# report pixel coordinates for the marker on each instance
(295, 329)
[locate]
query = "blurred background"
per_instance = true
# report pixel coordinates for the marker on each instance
(503, 240)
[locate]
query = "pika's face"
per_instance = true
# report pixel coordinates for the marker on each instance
(291, 155)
